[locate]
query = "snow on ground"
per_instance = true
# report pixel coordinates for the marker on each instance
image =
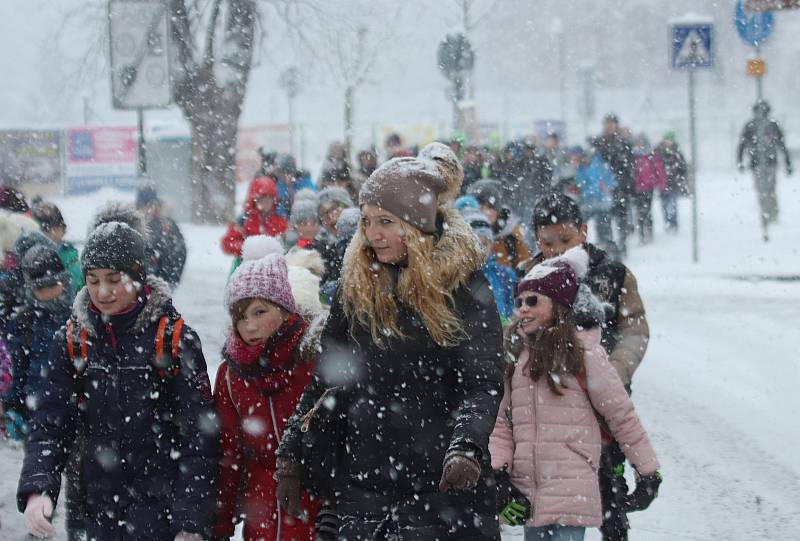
(718, 387)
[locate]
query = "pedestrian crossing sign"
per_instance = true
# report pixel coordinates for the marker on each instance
(692, 45)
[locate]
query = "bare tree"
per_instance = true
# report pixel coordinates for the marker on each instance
(215, 41)
(346, 46)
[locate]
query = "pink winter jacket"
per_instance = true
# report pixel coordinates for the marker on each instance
(649, 173)
(552, 443)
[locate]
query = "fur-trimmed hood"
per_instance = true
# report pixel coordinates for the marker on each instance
(457, 253)
(159, 303)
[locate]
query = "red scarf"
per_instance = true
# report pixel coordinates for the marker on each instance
(267, 366)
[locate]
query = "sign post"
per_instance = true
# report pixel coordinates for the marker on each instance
(139, 38)
(754, 28)
(692, 48)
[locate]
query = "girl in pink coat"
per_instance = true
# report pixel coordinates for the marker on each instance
(548, 435)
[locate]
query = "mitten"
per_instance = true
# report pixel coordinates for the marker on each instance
(646, 491)
(513, 507)
(461, 471)
(288, 490)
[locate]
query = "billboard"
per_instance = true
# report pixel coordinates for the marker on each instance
(99, 157)
(30, 158)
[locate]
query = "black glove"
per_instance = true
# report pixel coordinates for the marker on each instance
(646, 491)
(327, 525)
(512, 505)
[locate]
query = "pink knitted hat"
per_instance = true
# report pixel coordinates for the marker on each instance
(265, 278)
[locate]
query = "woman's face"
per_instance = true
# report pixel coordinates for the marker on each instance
(330, 216)
(385, 234)
(534, 311)
(111, 291)
(261, 319)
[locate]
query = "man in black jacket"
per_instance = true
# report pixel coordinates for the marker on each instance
(762, 138)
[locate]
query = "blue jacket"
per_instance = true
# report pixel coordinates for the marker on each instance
(502, 281)
(152, 452)
(29, 338)
(596, 183)
(286, 193)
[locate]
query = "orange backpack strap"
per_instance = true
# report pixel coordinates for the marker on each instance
(79, 363)
(70, 343)
(172, 335)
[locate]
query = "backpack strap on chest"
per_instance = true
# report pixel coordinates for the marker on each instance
(78, 362)
(168, 335)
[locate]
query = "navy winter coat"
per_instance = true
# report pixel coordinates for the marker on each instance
(29, 339)
(152, 450)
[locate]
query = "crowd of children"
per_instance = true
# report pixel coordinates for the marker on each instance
(107, 384)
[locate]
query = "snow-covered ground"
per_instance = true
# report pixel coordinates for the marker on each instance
(718, 389)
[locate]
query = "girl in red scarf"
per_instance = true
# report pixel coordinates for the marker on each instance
(268, 360)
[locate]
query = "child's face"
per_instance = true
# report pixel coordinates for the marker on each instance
(45, 294)
(56, 234)
(261, 319)
(556, 239)
(265, 204)
(307, 229)
(330, 218)
(111, 291)
(534, 311)
(490, 213)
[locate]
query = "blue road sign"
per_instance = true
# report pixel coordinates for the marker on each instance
(754, 28)
(692, 45)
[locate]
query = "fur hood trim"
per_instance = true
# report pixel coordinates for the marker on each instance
(158, 303)
(458, 252)
(588, 311)
(310, 345)
(307, 259)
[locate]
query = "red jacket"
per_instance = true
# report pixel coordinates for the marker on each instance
(252, 221)
(256, 392)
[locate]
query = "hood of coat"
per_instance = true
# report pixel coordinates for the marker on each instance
(159, 302)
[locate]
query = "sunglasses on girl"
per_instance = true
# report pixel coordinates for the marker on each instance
(530, 302)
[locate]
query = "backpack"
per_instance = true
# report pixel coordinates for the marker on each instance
(168, 332)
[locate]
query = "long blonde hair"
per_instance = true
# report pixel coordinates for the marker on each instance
(369, 296)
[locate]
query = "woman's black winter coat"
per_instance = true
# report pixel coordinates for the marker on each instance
(152, 450)
(409, 404)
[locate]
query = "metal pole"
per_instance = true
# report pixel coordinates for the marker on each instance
(142, 169)
(291, 125)
(693, 166)
(759, 78)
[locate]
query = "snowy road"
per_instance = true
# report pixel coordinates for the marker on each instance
(718, 389)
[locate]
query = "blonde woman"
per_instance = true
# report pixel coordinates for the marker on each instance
(415, 341)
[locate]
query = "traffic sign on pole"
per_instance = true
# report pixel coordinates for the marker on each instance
(139, 39)
(692, 48)
(754, 27)
(692, 40)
